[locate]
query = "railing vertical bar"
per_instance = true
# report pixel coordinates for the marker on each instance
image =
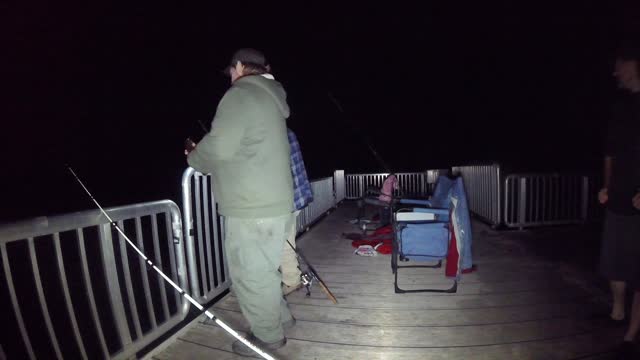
(561, 193)
(172, 255)
(145, 277)
(570, 212)
(507, 201)
(216, 239)
(523, 200)
(516, 199)
(495, 195)
(534, 198)
(224, 255)
(133, 307)
(67, 296)
(42, 299)
(570, 203)
(92, 301)
(188, 223)
(499, 197)
(584, 198)
(158, 258)
(203, 276)
(532, 195)
(482, 198)
(14, 302)
(206, 192)
(530, 199)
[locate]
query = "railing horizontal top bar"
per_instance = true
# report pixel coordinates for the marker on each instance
(46, 225)
(377, 174)
(321, 179)
(543, 223)
(547, 175)
(191, 171)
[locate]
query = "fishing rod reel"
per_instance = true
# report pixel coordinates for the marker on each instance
(306, 278)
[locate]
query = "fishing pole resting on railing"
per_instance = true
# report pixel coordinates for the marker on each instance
(171, 282)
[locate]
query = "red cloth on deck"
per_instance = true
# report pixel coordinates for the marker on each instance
(378, 240)
(453, 257)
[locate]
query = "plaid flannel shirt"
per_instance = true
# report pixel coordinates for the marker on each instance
(302, 194)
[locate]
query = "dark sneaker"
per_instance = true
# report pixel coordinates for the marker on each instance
(241, 349)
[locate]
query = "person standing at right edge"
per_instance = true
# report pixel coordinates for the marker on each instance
(620, 251)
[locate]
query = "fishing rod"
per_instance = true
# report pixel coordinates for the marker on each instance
(210, 315)
(373, 151)
(204, 128)
(307, 277)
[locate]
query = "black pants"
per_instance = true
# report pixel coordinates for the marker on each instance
(620, 251)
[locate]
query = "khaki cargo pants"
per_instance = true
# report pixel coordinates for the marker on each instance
(289, 267)
(254, 252)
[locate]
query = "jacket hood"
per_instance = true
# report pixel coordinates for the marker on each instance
(273, 87)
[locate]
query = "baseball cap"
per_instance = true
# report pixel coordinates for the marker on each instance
(246, 55)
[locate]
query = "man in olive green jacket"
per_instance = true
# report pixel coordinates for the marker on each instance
(247, 154)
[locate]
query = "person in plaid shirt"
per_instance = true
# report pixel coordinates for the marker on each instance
(302, 196)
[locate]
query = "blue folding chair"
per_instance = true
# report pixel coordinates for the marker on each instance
(423, 233)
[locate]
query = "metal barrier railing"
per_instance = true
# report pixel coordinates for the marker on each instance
(484, 193)
(78, 291)
(519, 201)
(323, 201)
(208, 271)
(545, 199)
(411, 184)
(204, 233)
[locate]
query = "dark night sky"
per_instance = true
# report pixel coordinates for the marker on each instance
(115, 90)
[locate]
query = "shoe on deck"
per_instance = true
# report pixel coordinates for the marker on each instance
(241, 349)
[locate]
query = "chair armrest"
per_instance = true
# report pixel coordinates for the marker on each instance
(421, 214)
(435, 211)
(414, 216)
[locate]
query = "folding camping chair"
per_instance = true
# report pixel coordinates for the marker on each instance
(425, 233)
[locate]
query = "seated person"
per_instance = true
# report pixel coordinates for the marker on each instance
(382, 198)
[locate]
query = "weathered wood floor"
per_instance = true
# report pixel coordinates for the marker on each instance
(516, 306)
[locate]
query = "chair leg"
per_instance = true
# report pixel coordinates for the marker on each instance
(394, 259)
(395, 284)
(434, 266)
(453, 289)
